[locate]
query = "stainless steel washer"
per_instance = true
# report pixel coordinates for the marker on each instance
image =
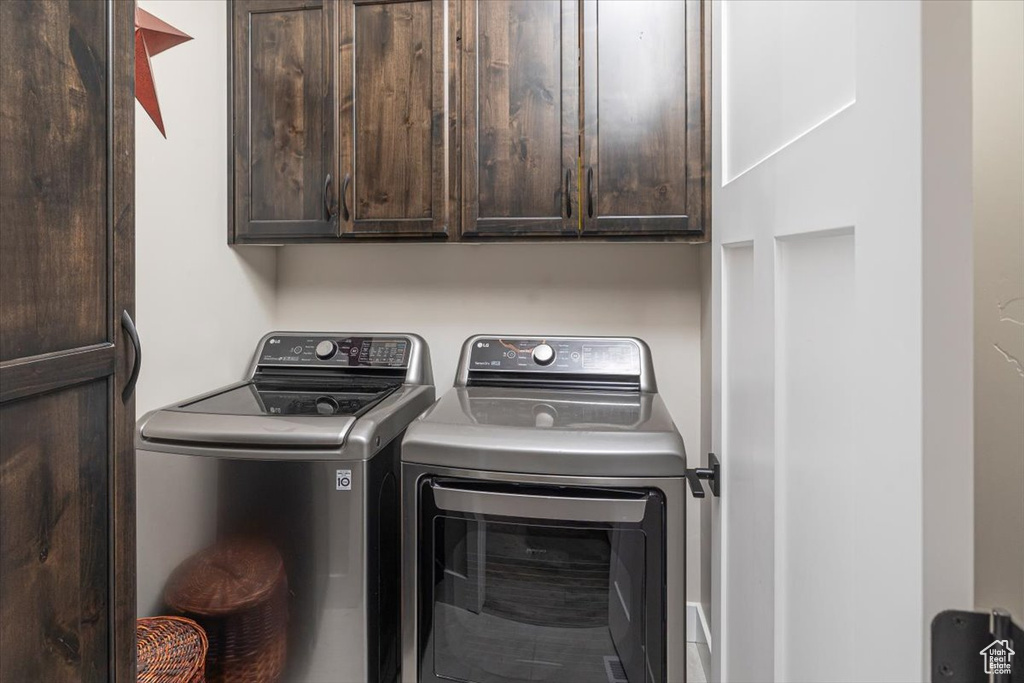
(302, 454)
(544, 519)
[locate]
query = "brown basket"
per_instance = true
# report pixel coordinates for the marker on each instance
(170, 650)
(238, 592)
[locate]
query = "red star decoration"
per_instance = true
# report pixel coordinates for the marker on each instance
(152, 36)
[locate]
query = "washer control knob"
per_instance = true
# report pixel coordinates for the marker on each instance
(326, 349)
(543, 354)
(325, 405)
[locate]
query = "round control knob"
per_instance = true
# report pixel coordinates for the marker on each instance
(325, 405)
(326, 349)
(543, 354)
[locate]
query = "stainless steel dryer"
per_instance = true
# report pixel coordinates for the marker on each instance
(543, 519)
(302, 455)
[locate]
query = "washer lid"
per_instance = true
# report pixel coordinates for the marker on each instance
(249, 430)
(278, 411)
(585, 433)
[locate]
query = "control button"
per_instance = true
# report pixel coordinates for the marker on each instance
(543, 354)
(326, 349)
(510, 354)
(297, 350)
(544, 416)
(325, 405)
(575, 355)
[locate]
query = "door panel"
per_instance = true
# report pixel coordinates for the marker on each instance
(842, 213)
(54, 556)
(520, 117)
(394, 128)
(553, 594)
(67, 482)
(643, 146)
(62, 270)
(283, 119)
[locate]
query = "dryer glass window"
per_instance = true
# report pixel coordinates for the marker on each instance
(532, 599)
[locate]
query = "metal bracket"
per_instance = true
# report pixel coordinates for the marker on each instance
(712, 474)
(959, 640)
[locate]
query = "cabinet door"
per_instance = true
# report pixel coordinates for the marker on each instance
(67, 458)
(284, 156)
(394, 123)
(645, 149)
(520, 118)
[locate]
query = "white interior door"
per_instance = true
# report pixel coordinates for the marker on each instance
(841, 267)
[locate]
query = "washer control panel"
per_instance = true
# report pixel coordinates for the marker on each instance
(562, 355)
(347, 352)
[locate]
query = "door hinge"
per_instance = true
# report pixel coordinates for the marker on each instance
(712, 473)
(977, 647)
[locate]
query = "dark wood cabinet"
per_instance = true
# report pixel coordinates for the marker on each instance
(67, 477)
(393, 97)
(520, 118)
(646, 148)
(632, 73)
(470, 119)
(283, 163)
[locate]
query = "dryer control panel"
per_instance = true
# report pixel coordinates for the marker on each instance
(612, 362)
(556, 355)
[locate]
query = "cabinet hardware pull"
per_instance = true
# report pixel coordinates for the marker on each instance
(568, 194)
(590, 192)
(344, 198)
(327, 197)
(133, 336)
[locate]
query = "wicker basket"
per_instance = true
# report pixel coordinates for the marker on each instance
(170, 650)
(238, 592)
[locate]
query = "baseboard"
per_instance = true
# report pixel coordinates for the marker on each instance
(697, 629)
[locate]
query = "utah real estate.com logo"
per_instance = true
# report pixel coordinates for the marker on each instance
(998, 657)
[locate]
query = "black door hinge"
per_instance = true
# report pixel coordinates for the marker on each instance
(712, 473)
(977, 647)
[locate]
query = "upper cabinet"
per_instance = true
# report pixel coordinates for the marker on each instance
(520, 118)
(283, 160)
(645, 149)
(395, 144)
(472, 120)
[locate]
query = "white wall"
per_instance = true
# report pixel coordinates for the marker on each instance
(201, 306)
(999, 304)
(446, 292)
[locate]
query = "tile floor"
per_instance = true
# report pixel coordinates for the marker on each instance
(694, 667)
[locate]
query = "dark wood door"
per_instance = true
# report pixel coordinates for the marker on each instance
(67, 477)
(284, 158)
(394, 95)
(520, 118)
(645, 140)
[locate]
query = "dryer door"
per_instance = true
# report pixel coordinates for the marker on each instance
(541, 583)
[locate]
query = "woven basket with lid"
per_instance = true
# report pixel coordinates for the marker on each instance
(238, 592)
(170, 650)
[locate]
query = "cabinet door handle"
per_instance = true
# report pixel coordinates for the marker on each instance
(568, 194)
(327, 197)
(344, 198)
(590, 192)
(133, 335)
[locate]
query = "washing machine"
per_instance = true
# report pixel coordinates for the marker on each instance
(544, 519)
(301, 460)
